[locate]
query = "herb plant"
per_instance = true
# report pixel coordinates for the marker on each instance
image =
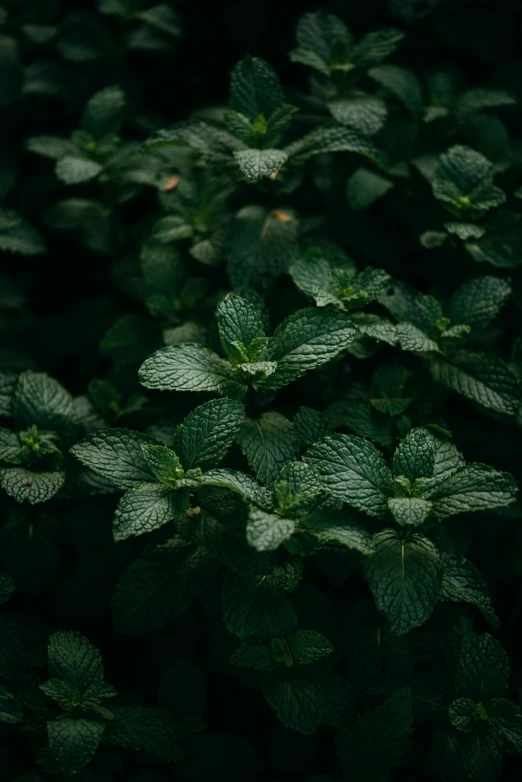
(260, 392)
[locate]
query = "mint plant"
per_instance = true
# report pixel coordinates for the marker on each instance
(260, 392)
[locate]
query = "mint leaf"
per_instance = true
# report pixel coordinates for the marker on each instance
(255, 88)
(255, 164)
(252, 606)
(73, 169)
(163, 464)
(187, 367)
(463, 182)
(353, 470)
(73, 659)
(307, 340)
(475, 487)
(391, 726)
(483, 670)
(266, 532)
(254, 654)
(143, 729)
(160, 585)
(241, 483)
(117, 455)
(73, 741)
(146, 507)
(208, 432)
(238, 322)
(409, 511)
(103, 114)
(260, 245)
(308, 646)
(41, 401)
(10, 710)
(268, 443)
(478, 301)
(299, 702)
(462, 582)
(30, 486)
(507, 718)
(404, 574)
(484, 379)
(414, 457)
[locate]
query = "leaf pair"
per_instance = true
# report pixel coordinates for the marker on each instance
(157, 482)
(304, 341)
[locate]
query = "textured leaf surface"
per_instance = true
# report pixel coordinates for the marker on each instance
(187, 367)
(268, 442)
(208, 432)
(353, 470)
(297, 701)
(40, 400)
(117, 455)
(404, 575)
(73, 741)
(475, 487)
(258, 163)
(266, 531)
(144, 508)
(238, 321)
(414, 458)
(28, 486)
(390, 727)
(307, 340)
(483, 670)
(463, 583)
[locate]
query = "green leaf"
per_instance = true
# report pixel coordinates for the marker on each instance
(307, 340)
(73, 169)
(478, 301)
(481, 753)
(483, 670)
(41, 401)
(404, 574)
(296, 489)
(146, 507)
(316, 34)
(414, 458)
(485, 379)
(51, 147)
(8, 381)
(10, 710)
(334, 530)
(353, 470)
(415, 340)
(409, 511)
(364, 188)
(389, 727)
(187, 367)
(332, 138)
(208, 432)
(117, 455)
(297, 701)
(310, 425)
(308, 646)
(160, 585)
(313, 277)
(238, 321)
(401, 82)
(266, 532)
(255, 88)
(461, 713)
(73, 659)
(268, 442)
(365, 113)
(252, 606)
(73, 741)
(30, 486)
(254, 654)
(103, 114)
(260, 245)
(86, 220)
(463, 182)
(462, 583)
(163, 464)
(474, 487)
(255, 164)
(501, 245)
(143, 729)
(241, 483)
(507, 718)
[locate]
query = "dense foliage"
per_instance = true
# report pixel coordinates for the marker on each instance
(260, 391)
